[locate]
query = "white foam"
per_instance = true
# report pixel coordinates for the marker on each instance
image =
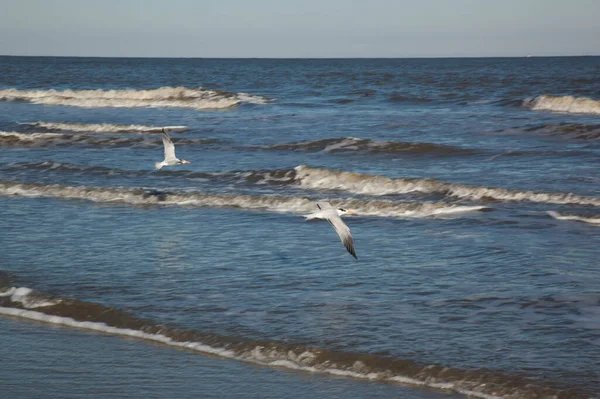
(567, 104)
(359, 183)
(281, 204)
(30, 136)
(252, 99)
(257, 355)
(8, 292)
(28, 298)
(348, 143)
(104, 127)
(19, 294)
(180, 97)
(355, 144)
(593, 220)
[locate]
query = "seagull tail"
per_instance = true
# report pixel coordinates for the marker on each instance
(158, 165)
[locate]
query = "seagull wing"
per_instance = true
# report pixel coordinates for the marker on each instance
(169, 147)
(323, 205)
(343, 231)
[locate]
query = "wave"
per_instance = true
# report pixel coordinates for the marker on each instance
(360, 183)
(333, 180)
(570, 130)
(46, 166)
(179, 97)
(281, 204)
(590, 219)
(14, 139)
(29, 139)
(102, 127)
(280, 177)
(277, 176)
(568, 104)
(260, 177)
(353, 144)
(91, 316)
(27, 298)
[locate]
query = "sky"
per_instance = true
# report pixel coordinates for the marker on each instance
(299, 29)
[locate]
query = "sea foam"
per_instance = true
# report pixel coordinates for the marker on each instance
(589, 219)
(568, 104)
(28, 298)
(180, 97)
(367, 184)
(103, 127)
(280, 204)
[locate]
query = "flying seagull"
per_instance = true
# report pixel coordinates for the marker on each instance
(333, 216)
(170, 158)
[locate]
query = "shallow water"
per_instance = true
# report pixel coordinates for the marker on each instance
(97, 366)
(477, 240)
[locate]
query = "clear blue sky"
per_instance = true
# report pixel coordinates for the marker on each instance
(301, 28)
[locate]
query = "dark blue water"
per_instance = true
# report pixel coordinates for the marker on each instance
(464, 280)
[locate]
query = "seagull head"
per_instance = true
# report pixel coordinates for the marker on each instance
(342, 211)
(183, 161)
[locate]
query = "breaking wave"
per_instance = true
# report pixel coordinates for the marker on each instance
(306, 177)
(178, 97)
(102, 127)
(30, 139)
(281, 204)
(27, 298)
(360, 183)
(14, 139)
(589, 219)
(568, 104)
(479, 383)
(352, 144)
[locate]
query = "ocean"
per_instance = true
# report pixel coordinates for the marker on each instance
(477, 192)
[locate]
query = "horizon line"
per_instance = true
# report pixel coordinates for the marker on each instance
(307, 58)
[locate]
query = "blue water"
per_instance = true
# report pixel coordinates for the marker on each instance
(219, 246)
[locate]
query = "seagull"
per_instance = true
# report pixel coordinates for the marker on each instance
(333, 216)
(170, 158)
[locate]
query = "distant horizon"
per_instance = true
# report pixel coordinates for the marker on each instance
(306, 58)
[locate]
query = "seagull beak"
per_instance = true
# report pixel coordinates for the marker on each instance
(184, 161)
(351, 212)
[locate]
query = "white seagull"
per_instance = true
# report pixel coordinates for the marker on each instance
(170, 158)
(334, 216)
